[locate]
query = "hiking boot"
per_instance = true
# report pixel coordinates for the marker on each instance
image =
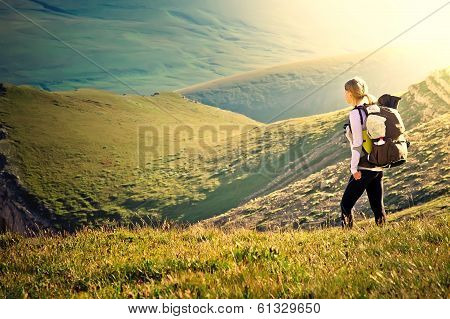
(380, 221)
(347, 221)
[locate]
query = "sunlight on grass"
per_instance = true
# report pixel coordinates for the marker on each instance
(406, 259)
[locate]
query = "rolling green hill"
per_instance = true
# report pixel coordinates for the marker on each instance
(314, 200)
(76, 157)
(72, 158)
(77, 151)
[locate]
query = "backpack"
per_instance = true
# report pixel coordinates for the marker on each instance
(386, 130)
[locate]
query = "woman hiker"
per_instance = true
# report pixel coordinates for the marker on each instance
(365, 176)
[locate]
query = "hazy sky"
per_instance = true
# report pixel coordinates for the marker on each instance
(169, 44)
(348, 25)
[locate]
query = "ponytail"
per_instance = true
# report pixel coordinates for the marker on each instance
(370, 98)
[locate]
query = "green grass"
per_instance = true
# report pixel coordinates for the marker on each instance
(406, 259)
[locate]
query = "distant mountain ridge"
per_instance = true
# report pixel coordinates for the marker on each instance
(311, 86)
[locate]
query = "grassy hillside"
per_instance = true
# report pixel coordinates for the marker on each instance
(405, 259)
(77, 152)
(263, 157)
(314, 200)
(263, 94)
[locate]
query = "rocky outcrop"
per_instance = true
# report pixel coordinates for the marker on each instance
(3, 133)
(2, 89)
(20, 211)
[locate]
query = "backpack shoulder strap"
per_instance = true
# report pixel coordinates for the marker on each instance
(364, 108)
(359, 107)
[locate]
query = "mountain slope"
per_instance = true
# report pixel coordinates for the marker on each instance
(90, 157)
(314, 200)
(271, 94)
(78, 151)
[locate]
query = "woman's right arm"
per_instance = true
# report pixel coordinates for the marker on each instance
(357, 138)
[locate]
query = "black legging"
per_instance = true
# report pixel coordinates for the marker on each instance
(372, 182)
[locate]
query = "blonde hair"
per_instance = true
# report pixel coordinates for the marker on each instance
(359, 90)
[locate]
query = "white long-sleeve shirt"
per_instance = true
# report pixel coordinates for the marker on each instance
(355, 137)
